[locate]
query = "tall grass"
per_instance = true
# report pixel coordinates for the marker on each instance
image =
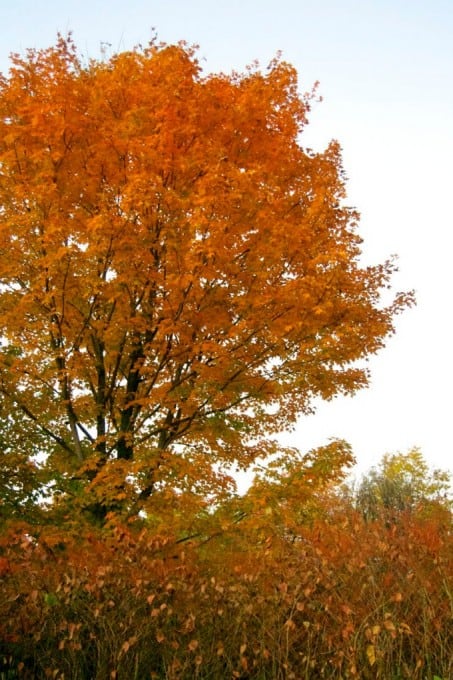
(345, 599)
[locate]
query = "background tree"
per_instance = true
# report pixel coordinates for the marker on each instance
(402, 482)
(179, 276)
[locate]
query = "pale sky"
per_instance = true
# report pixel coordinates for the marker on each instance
(386, 77)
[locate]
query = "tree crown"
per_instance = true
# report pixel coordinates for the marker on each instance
(179, 275)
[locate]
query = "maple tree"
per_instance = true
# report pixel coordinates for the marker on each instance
(180, 277)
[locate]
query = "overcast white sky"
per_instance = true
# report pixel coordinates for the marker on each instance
(386, 76)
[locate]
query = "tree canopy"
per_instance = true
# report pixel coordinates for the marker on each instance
(402, 482)
(179, 276)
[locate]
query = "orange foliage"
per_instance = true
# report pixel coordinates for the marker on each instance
(341, 598)
(179, 278)
(173, 262)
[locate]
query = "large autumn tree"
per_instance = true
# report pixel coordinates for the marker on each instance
(180, 277)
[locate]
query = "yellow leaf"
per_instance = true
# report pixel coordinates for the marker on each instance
(371, 654)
